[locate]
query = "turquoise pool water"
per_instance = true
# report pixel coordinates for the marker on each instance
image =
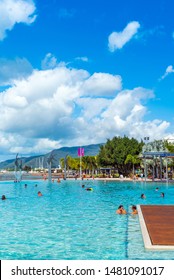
(68, 222)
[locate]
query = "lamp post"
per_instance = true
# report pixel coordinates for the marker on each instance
(65, 166)
(146, 139)
(167, 177)
(80, 154)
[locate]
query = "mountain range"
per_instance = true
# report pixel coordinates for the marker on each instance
(40, 161)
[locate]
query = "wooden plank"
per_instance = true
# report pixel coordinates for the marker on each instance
(159, 221)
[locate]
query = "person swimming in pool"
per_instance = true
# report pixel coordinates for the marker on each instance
(121, 210)
(134, 210)
(3, 197)
(89, 189)
(39, 194)
(143, 196)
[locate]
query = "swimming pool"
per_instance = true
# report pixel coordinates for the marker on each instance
(70, 223)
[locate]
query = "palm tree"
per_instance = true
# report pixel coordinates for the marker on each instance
(89, 163)
(67, 163)
(62, 163)
(132, 160)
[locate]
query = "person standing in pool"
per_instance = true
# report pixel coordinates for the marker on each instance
(134, 210)
(121, 210)
(39, 194)
(143, 196)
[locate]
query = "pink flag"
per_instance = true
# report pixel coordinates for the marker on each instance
(81, 152)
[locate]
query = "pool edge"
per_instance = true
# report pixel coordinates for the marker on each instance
(146, 238)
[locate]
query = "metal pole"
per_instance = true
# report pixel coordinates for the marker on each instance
(153, 170)
(145, 169)
(161, 168)
(65, 170)
(80, 165)
(49, 171)
(65, 162)
(167, 171)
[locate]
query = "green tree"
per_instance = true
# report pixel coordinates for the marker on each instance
(133, 160)
(71, 163)
(89, 163)
(169, 146)
(62, 163)
(115, 152)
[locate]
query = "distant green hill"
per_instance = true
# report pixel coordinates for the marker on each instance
(41, 160)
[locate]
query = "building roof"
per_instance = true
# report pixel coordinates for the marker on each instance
(158, 154)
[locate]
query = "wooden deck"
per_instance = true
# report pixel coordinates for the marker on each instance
(159, 220)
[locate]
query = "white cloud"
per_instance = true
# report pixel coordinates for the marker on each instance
(65, 107)
(126, 101)
(169, 70)
(14, 101)
(12, 143)
(49, 61)
(11, 70)
(102, 84)
(118, 39)
(13, 12)
(42, 145)
(125, 116)
(82, 58)
(92, 107)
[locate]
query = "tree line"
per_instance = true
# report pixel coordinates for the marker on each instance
(121, 154)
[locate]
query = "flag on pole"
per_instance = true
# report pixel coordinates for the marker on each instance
(81, 152)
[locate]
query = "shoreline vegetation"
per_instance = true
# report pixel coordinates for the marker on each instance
(120, 158)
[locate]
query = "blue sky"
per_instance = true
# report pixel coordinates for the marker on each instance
(80, 72)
